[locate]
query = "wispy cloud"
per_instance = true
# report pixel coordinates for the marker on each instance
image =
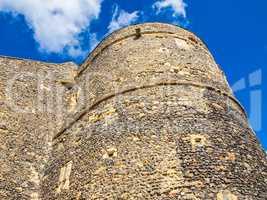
(57, 24)
(177, 6)
(93, 41)
(121, 18)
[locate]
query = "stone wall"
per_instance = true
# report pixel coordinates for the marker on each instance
(158, 121)
(31, 112)
(149, 115)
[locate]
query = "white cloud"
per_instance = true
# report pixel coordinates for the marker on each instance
(93, 41)
(56, 24)
(75, 51)
(122, 18)
(178, 7)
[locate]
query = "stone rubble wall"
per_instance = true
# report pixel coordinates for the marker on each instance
(156, 120)
(149, 115)
(29, 117)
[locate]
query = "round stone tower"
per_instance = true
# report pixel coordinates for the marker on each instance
(158, 121)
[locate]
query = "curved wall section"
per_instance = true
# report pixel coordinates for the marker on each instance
(158, 122)
(160, 53)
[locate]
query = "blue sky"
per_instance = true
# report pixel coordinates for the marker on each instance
(234, 31)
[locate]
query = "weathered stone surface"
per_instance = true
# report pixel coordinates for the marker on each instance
(29, 117)
(149, 115)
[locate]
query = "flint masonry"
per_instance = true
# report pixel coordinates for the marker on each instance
(149, 115)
